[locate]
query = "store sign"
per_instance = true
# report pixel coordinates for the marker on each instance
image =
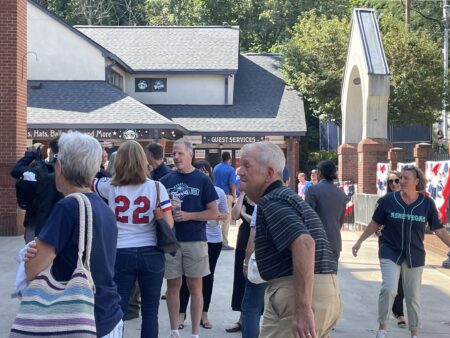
(200, 154)
(124, 134)
(150, 85)
(232, 139)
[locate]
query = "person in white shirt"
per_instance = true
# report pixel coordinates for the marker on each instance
(132, 196)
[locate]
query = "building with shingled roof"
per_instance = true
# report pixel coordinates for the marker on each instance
(158, 83)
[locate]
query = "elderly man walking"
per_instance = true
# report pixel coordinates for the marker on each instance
(292, 251)
(194, 198)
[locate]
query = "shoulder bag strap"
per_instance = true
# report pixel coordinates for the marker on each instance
(84, 208)
(89, 231)
(158, 201)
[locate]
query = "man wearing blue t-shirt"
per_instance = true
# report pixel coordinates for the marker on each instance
(193, 198)
(225, 178)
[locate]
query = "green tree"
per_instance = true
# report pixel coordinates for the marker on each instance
(314, 60)
(98, 12)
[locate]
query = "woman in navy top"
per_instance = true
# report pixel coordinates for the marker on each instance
(404, 215)
(397, 308)
(78, 161)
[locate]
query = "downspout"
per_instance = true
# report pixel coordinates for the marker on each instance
(290, 159)
(226, 89)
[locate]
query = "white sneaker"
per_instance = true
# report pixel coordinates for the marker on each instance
(173, 335)
(381, 334)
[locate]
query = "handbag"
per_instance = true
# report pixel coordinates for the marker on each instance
(167, 242)
(60, 309)
(253, 272)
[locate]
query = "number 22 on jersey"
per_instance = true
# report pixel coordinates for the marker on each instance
(141, 206)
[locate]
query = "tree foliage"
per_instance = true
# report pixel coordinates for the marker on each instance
(314, 60)
(98, 12)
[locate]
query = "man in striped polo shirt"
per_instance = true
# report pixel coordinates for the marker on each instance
(292, 251)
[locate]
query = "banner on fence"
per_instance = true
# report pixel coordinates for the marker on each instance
(382, 178)
(438, 186)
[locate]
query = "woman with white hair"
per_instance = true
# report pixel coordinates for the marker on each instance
(78, 161)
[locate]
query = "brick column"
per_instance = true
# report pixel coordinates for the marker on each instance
(348, 162)
(395, 155)
(370, 152)
(13, 103)
(422, 153)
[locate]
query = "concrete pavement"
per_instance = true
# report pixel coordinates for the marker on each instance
(359, 281)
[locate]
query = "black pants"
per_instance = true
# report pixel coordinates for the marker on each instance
(397, 307)
(214, 250)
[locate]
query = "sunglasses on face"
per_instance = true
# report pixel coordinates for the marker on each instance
(396, 181)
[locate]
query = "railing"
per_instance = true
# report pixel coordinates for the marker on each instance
(442, 156)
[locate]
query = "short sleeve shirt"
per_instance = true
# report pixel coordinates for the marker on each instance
(213, 228)
(160, 171)
(133, 206)
(196, 191)
(282, 217)
(224, 176)
(404, 227)
(62, 230)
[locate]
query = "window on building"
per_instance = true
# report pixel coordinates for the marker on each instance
(115, 79)
(150, 85)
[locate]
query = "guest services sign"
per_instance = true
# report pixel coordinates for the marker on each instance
(232, 139)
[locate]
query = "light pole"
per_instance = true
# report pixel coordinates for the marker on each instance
(445, 20)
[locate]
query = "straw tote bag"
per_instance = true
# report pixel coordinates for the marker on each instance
(61, 309)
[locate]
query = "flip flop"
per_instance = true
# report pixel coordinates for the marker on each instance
(236, 328)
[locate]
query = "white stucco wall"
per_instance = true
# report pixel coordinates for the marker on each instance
(188, 89)
(57, 53)
(364, 105)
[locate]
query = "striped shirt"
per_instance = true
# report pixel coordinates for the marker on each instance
(214, 228)
(282, 217)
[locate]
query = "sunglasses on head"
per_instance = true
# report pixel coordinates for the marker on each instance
(396, 181)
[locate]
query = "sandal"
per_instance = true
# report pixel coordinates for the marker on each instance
(205, 325)
(235, 328)
(181, 325)
(401, 322)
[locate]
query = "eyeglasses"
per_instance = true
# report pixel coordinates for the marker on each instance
(396, 181)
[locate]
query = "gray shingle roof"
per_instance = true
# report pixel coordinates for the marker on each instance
(71, 104)
(263, 104)
(213, 48)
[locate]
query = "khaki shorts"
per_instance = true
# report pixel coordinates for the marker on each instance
(190, 260)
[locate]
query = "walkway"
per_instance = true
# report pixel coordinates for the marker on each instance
(359, 280)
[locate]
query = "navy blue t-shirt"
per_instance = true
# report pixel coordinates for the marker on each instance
(160, 171)
(404, 228)
(196, 191)
(62, 230)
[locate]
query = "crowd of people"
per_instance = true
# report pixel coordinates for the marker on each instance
(293, 237)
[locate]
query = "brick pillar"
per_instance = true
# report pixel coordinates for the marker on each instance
(395, 155)
(370, 152)
(13, 103)
(348, 162)
(422, 153)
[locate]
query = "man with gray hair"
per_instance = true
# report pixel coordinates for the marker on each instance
(193, 198)
(292, 251)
